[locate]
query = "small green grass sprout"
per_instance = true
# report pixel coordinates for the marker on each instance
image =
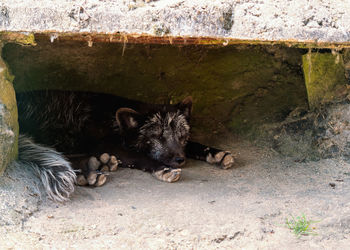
(300, 225)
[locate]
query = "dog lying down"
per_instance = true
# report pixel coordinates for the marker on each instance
(98, 133)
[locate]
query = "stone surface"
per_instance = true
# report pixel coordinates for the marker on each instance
(325, 79)
(312, 135)
(314, 20)
(8, 118)
(233, 86)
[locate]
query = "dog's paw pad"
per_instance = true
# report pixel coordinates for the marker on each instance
(104, 158)
(113, 163)
(93, 163)
(94, 178)
(105, 163)
(81, 180)
(168, 175)
(100, 180)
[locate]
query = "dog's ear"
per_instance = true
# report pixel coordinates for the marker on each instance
(127, 118)
(186, 106)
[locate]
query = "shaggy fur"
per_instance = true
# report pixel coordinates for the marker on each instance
(164, 137)
(55, 172)
(91, 124)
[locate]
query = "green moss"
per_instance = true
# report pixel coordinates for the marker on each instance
(8, 118)
(23, 38)
(324, 77)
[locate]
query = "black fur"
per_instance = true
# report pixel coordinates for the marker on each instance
(92, 124)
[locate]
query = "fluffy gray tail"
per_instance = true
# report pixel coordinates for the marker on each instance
(55, 172)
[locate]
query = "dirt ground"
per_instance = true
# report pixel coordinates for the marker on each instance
(209, 208)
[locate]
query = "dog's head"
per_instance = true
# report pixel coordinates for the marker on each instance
(162, 134)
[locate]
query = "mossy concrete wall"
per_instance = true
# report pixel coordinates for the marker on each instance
(324, 77)
(235, 87)
(8, 117)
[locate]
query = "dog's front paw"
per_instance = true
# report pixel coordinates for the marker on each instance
(168, 174)
(223, 158)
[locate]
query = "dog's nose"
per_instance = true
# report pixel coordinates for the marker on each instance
(179, 160)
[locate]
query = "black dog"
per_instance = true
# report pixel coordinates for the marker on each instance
(151, 137)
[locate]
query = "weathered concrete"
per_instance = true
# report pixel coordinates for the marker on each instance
(325, 79)
(8, 117)
(246, 85)
(281, 20)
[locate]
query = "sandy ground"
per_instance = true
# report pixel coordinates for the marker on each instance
(209, 208)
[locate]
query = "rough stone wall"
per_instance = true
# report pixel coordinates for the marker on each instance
(8, 117)
(274, 20)
(241, 83)
(312, 135)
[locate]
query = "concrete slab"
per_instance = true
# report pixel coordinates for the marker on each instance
(281, 20)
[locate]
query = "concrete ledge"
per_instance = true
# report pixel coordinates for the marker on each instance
(281, 20)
